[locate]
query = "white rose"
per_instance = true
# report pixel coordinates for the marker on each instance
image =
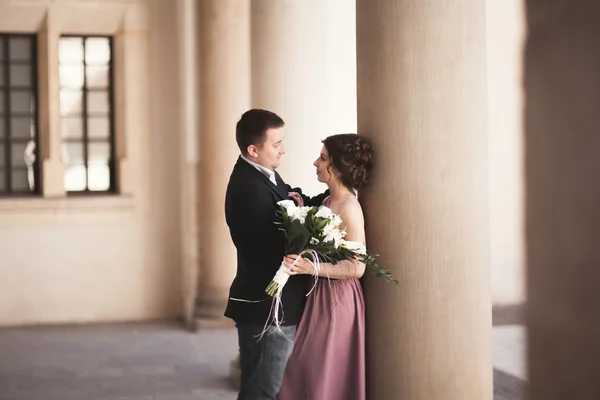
(356, 247)
(328, 228)
(299, 213)
(336, 220)
(324, 212)
(288, 205)
(294, 212)
(336, 235)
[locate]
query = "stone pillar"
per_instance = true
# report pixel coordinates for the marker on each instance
(52, 166)
(224, 96)
(562, 163)
(188, 87)
(422, 103)
(304, 69)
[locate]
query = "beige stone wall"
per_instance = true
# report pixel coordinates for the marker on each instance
(100, 258)
(304, 69)
(119, 258)
(505, 36)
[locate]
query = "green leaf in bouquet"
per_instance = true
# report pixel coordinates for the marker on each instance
(379, 271)
(321, 223)
(310, 222)
(297, 237)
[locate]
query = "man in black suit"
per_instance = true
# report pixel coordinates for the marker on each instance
(250, 208)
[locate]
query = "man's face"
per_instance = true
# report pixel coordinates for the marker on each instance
(269, 153)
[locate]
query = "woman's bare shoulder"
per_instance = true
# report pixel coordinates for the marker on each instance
(351, 209)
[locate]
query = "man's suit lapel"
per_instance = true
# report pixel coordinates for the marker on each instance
(281, 186)
(279, 190)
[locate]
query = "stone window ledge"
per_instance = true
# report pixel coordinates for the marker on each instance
(70, 203)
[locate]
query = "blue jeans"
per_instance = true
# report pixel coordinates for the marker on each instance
(263, 361)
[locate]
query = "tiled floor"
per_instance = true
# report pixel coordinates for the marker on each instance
(153, 361)
(509, 350)
(159, 361)
(510, 371)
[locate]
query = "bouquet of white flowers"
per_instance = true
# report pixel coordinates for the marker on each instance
(314, 233)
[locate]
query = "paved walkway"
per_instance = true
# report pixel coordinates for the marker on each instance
(157, 361)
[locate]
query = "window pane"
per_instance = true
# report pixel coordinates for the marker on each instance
(71, 76)
(99, 153)
(21, 102)
(22, 127)
(98, 177)
(71, 128)
(97, 77)
(98, 102)
(70, 50)
(70, 102)
(22, 154)
(97, 51)
(98, 128)
(72, 153)
(22, 180)
(20, 75)
(20, 49)
(75, 178)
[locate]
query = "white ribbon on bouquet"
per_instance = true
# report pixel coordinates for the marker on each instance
(281, 278)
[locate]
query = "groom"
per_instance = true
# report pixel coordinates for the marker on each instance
(250, 205)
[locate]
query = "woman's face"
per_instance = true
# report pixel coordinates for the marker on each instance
(323, 162)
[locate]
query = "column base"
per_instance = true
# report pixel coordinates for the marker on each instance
(508, 314)
(209, 312)
(202, 323)
(53, 177)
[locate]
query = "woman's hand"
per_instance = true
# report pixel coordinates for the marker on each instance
(301, 267)
(297, 198)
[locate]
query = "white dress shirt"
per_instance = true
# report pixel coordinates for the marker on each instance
(266, 171)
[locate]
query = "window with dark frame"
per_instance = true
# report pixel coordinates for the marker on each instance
(87, 115)
(19, 169)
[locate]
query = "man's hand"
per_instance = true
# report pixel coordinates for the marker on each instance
(301, 267)
(297, 198)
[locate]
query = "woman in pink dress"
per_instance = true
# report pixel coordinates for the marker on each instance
(328, 360)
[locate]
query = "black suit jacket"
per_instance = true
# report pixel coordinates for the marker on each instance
(250, 210)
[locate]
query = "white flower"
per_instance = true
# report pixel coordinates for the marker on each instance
(334, 235)
(336, 220)
(314, 240)
(324, 212)
(287, 204)
(356, 247)
(294, 212)
(328, 228)
(300, 214)
(334, 223)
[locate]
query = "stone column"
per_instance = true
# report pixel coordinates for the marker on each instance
(422, 103)
(188, 87)
(52, 166)
(224, 96)
(304, 69)
(562, 163)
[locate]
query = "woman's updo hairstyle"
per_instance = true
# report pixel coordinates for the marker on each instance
(350, 155)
